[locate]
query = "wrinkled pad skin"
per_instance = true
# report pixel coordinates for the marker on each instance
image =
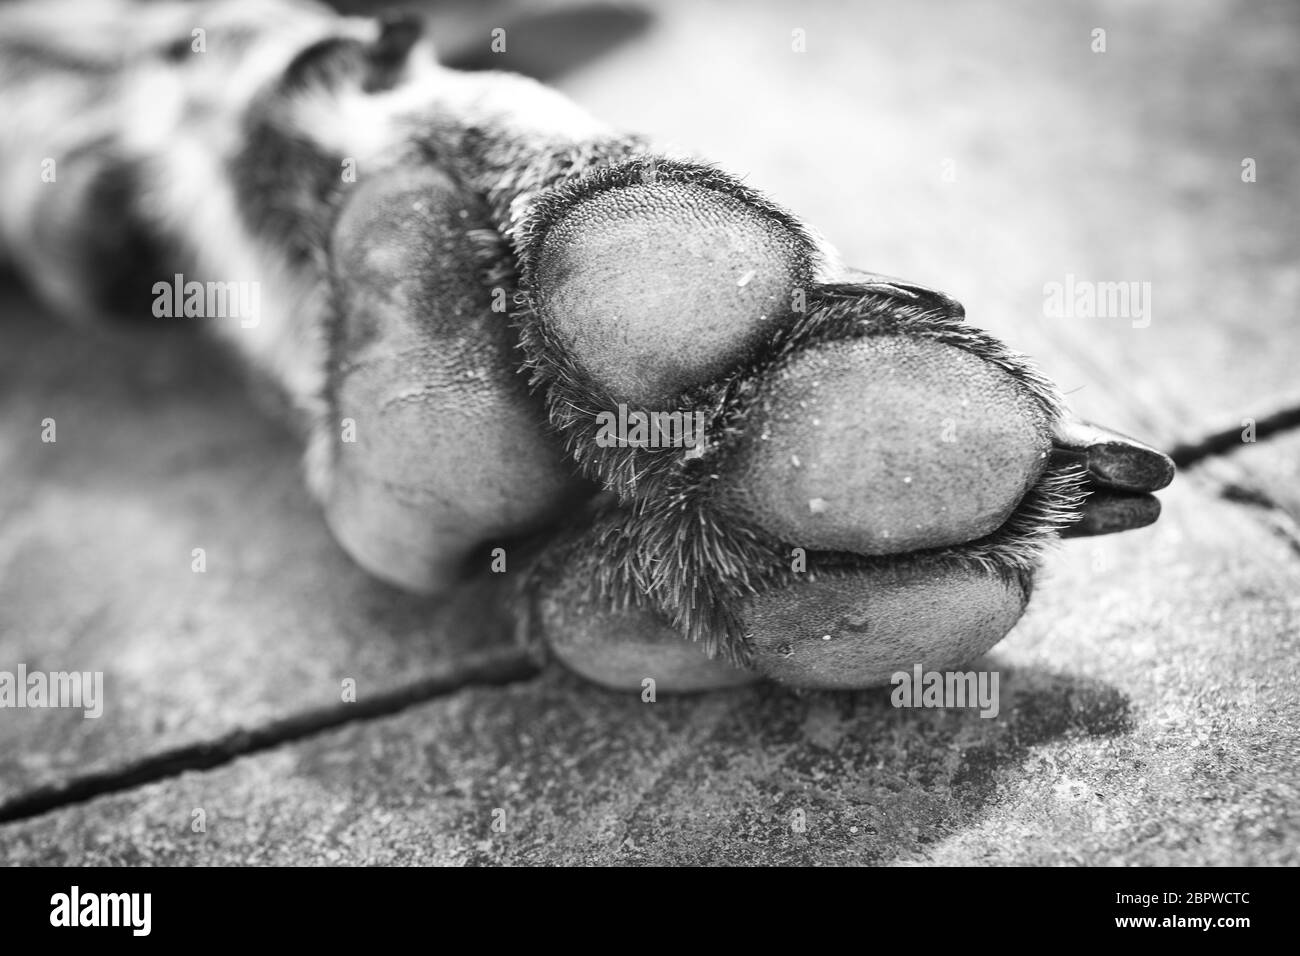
(450, 449)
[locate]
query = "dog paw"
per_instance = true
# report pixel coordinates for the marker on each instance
(731, 457)
(870, 481)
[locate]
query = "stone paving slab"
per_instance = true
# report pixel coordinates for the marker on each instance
(158, 451)
(1149, 714)
(1155, 669)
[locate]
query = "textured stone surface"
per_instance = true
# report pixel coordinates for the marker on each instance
(1265, 474)
(158, 452)
(1147, 712)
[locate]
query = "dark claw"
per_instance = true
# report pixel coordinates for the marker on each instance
(1105, 512)
(1113, 460)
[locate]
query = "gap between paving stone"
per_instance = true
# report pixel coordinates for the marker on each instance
(1219, 443)
(1215, 462)
(512, 665)
(508, 667)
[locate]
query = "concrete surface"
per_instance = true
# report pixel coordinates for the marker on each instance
(1149, 702)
